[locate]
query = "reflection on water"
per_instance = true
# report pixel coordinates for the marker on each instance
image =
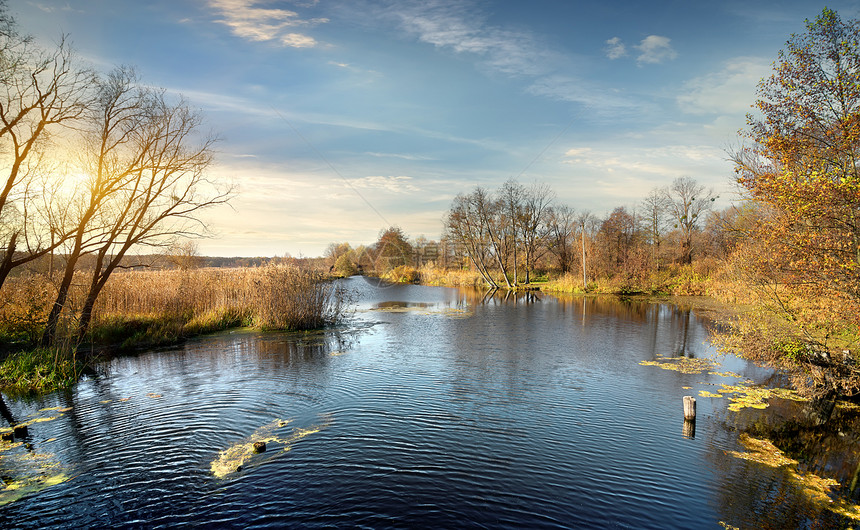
(431, 406)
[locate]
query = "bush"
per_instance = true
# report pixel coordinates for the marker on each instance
(402, 274)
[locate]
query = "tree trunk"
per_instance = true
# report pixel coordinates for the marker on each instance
(6, 265)
(49, 336)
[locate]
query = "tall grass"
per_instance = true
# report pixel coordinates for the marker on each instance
(141, 307)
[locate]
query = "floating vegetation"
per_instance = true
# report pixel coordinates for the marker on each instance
(58, 409)
(727, 374)
(31, 421)
(705, 393)
(746, 396)
(233, 459)
(685, 365)
(422, 309)
(817, 489)
(24, 472)
(761, 451)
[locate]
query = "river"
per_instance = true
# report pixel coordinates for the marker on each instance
(430, 407)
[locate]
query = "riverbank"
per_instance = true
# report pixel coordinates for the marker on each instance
(143, 309)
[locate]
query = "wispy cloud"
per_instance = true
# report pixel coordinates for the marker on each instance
(673, 160)
(655, 49)
(398, 185)
(455, 26)
(576, 90)
(251, 20)
(731, 90)
(615, 49)
(398, 155)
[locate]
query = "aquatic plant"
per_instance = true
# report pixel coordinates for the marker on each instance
(235, 458)
(819, 490)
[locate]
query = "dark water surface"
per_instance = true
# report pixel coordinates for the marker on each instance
(432, 407)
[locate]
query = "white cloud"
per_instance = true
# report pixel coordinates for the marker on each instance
(615, 49)
(730, 90)
(655, 49)
(248, 20)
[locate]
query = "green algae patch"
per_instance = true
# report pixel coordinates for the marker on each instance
(16, 490)
(25, 472)
(684, 365)
(819, 490)
(234, 458)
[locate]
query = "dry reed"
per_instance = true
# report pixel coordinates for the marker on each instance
(270, 297)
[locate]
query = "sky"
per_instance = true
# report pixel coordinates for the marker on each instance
(339, 118)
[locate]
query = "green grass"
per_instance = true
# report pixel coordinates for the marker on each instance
(39, 370)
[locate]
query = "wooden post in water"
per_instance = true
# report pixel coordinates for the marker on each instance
(689, 408)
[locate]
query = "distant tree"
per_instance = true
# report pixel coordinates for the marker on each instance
(562, 230)
(344, 266)
(184, 254)
(655, 207)
(467, 228)
(334, 251)
(532, 222)
(687, 200)
(617, 234)
(392, 249)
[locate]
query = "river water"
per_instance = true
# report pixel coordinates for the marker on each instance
(431, 407)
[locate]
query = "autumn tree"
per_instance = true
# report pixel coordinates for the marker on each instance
(392, 249)
(617, 233)
(800, 168)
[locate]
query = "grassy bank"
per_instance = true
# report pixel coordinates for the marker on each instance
(146, 308)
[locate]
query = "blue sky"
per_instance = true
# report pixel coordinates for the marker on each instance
(338, 118)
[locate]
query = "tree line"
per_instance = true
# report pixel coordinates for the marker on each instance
(507, 234)
(94, 165)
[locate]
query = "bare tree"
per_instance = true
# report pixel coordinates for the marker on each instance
(687, 200)
(466, 225)
(40, 91)
(164, 189)
(587, 227)
(533, 223)
(655, 206)
(509, 210)
(146, 162)
(562, 228)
